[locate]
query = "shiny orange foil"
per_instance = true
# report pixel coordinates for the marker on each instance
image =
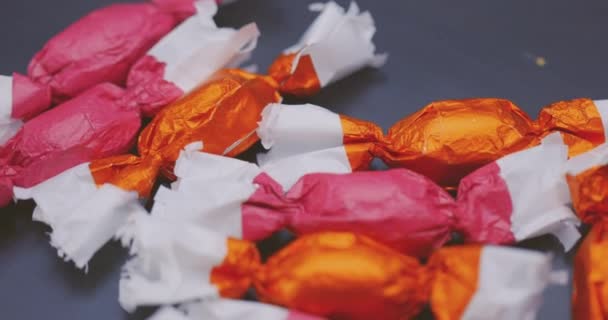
(579, 122)
(359, 138)
(302, 82)
(590, 293)
(223, 113)
(456, 271)
(127, 172)
(234, 276)
(448, 139)
(589, 193)
(344, 276)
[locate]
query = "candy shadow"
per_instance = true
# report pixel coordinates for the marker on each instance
(16, 223)
(140, 313)
(342, 95)
(236, 15)
(104, 266)
(19, 232)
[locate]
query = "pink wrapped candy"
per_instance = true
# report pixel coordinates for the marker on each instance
(100, 47)
(104, 120)
(504, 202)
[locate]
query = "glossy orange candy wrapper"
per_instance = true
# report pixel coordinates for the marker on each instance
(343, 275)
(224, 113)
(587, 176)
(338, 275)
(590, 293)
(589, 192)
(448, 139)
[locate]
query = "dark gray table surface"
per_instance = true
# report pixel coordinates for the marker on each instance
(439, 49)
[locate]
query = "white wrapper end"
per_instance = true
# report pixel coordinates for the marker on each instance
(594, 157)
(172, 263)
(302, 139)
(539, 193)
(82, 216)
(602, 109)
(192, 165)
(289, 130)
(208, 192)
(287, 171)
(338, 42)
(197, 48)
(510, 284)
(8, 125)
(169, 313)
(57, 195)
(223, 309)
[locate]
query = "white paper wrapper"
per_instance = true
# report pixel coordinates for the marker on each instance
(539, 195)
(197, 48)
(8, 125)
(287, 171)
(193, 164)
(301, 139)
(510, 284)
(288, 130)
(172, 262)
(602, 109)
(169, 313)
(225, 309)
(208, 192)
(83, 217)
(210, 189)
(339, 42)
(595, 157)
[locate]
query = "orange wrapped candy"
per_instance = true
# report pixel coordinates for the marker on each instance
(590, 294)
(449, 139)
(445, 140)
(223, 113)
(589, 192)
(338, 275)
(588, 183)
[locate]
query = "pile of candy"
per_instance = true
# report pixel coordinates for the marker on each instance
(369, 244)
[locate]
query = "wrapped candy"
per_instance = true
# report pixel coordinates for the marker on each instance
(501, 203)
(445, 140)
(104, 121)
(223, 112)
(590, 278)
(74, 132)
(588, 181)
(337, 44)
(227, 309)
(504, 202)
(333, 274)
(100, 47)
